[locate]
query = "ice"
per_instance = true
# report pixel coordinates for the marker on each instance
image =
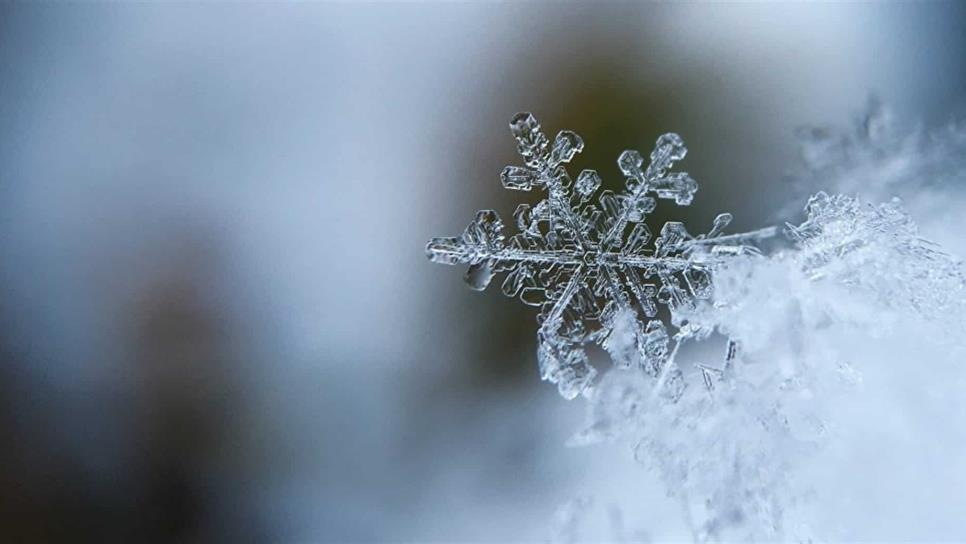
(594, 279)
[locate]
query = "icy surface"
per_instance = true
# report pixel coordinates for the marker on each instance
(588, 263)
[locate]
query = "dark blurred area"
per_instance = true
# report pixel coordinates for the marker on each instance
(218, 323)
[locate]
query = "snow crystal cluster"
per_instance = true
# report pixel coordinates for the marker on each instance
(836, 409)
(877, 159)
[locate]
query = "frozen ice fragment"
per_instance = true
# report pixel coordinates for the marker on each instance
(445, 250)
(673, 234)
(565, 146)
(630, 163)
(524, 126)
(522, 217)
(612, 204)
(587, 183)
(533, 296)
(518, 178)
(699, 280)
(720, 223)
(570, 369)
(678, 186)
(562, 177)
(638, 208)
(638, 239)
(485, 230)
(531, 142)
(669, 148)
(515, 279)
(478, 276)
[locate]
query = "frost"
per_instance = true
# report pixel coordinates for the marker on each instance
(878, 158)
(588, 266)
(878, 250)
(733, 453)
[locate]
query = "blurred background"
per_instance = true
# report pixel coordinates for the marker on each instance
(217, 321)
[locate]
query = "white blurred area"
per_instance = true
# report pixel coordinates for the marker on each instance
(272, 172)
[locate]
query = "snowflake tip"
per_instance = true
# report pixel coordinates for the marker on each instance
(720, 223)
(669, 148)
(565, 146)
(481, 238)
(531, 142)
(524, 124)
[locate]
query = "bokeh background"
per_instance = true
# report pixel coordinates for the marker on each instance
(217, 321)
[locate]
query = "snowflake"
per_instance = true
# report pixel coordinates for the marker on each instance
(587, 265)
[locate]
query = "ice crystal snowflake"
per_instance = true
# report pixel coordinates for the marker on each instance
(587, 265)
